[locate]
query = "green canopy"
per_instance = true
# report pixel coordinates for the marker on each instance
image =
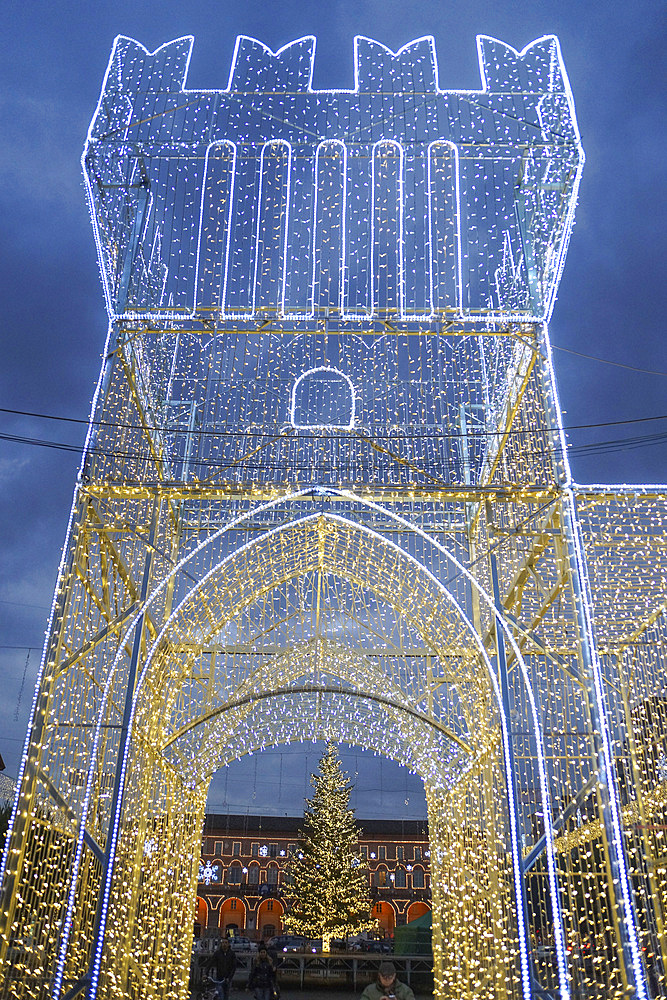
(414, 938)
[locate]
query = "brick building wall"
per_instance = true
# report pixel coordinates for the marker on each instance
(242, 872)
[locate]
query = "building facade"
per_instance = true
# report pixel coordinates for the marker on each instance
(243, 876)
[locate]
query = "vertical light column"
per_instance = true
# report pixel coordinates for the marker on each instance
(217, 198)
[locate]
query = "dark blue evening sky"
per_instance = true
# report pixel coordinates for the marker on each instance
(611, 303)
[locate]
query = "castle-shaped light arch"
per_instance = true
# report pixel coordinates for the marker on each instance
(325, 489)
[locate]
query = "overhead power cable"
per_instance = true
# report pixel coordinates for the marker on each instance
(475, 431)
(211, 464)
(606, 361)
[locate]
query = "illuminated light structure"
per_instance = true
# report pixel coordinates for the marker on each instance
(325, 495)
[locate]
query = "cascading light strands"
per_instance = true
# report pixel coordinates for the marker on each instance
(325, 495)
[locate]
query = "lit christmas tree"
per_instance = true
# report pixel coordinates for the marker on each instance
(329, 881)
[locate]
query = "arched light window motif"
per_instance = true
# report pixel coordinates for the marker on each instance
(215, 219)
(272, 227)
(328, 259)
(386, 236)
(323, 397)
(400, 878)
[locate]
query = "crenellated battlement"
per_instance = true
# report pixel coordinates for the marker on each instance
(537, 69)
(395, 200)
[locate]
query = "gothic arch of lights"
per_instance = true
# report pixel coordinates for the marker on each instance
(300, 555)
(423, 579)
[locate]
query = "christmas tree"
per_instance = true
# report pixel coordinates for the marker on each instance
(328, 880)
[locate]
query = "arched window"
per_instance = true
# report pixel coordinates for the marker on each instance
(253, 875)
(418, 878)
(322, 397)
(400, 879)
(272, 874)
(381, 877)
(234, 873)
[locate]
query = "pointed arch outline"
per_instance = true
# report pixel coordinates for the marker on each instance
(501, 623)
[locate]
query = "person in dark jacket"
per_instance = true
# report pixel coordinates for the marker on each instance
(387, 987)
(262, 975)
(223, 961)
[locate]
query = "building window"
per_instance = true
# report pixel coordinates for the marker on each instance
(418, 878)
(234, 874)
(382, 853)
(217, 849)
(236, 850)
(253, 875)
(418, 853)
(272, 875)
(291, 848)
(254, 850)
(399, 878)
(399, 853)
(269, 904)
(378, 909)
(273, 850)
(232, 904)
(363, 851)
(381, 877)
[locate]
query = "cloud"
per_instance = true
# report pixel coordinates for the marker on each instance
(41, 144)
(11, 469)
